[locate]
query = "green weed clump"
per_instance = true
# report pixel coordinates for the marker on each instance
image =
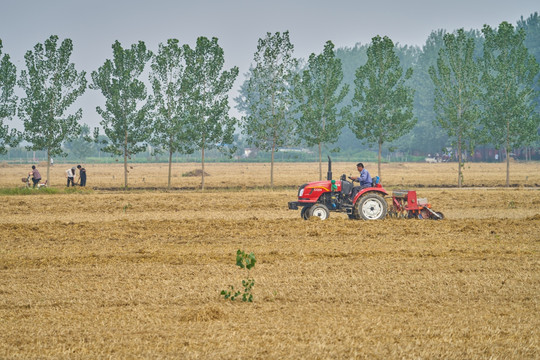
(28, 191)
(244, 261)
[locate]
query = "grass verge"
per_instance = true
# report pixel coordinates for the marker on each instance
(44, 190)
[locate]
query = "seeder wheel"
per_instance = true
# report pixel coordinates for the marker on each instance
(438, 218)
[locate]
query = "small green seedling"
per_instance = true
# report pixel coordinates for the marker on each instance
(128, 206)
(244, 261)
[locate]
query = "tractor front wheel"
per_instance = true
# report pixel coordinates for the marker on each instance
(371, 207)
(304, 213)
(320, 211)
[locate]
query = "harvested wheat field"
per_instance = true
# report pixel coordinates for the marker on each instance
(250, 175)
(137, 274)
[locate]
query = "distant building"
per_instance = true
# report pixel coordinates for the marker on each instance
(250, 152)
(296, 150)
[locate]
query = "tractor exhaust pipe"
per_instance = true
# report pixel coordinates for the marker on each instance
(329, 173)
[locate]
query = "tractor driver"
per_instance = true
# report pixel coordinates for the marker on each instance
(364, 179)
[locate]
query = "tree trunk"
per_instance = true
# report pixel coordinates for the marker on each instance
(273, 143)
(320, 162)
(460, 161)
(171, 137)
(202, 162)
(507, 155)
(272, 165)
(379, 161)
(507, 166)
(48, 167)
(170, 167)
(125, 161)
(320, 149)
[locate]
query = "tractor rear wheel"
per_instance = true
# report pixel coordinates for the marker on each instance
(320, 211)
(371, 207)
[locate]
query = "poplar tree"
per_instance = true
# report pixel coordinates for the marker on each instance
(384, 103)
(267, 96)
(509, 79)
(51, 84)
(457, 93)
(426, 136)
(125, 116)
(8, 101)
(321, 91)
(531, 26)
(170, 88)
(210, 125)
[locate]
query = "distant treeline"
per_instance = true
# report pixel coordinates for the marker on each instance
(380, 101)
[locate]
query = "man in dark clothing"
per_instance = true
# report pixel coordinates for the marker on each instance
(82, 175)
(36, 176)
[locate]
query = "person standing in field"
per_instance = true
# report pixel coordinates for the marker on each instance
(70, 174)
(36, 176)
(82, 175)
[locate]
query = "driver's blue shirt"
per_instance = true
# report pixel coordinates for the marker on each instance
(365, 178)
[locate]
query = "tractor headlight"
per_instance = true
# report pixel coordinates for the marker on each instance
(301, 192)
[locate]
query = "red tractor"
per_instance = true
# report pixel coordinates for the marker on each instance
(320, 197)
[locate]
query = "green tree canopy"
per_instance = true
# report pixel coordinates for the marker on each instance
(267, 95)
(382, 102)
(208, 100)
(457, 92)
(426, 136)
(171, 92)
(320, 93)
(125, 117)
(509, 77)
(531, 26)
(51, 84)
(8, 101)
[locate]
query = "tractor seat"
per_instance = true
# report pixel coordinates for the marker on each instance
(346, 187)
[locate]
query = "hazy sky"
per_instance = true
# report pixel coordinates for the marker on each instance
(94, 25)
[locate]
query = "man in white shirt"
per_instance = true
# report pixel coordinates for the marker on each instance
(70, 174)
